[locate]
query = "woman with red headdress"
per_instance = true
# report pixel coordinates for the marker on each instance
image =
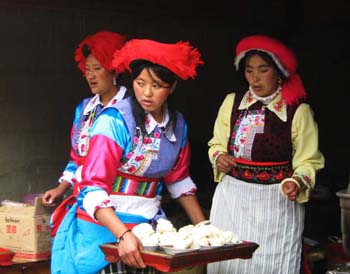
(94, 58)
(136, 147)
(265, 157)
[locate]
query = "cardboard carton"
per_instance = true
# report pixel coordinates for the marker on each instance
(25, 230)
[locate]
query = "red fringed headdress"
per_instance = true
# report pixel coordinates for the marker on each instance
(102, 46)
(292, 87)
(180, 58)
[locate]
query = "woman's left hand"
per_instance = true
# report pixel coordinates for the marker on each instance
(290, 189)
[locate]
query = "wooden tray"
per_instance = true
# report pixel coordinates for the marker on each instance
(168, 263)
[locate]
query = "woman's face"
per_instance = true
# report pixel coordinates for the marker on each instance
(261, 77)
(151, 92)
(99, 79)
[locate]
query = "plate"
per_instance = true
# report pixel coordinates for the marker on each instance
(151, 247)
(205, 247)
(172, 251)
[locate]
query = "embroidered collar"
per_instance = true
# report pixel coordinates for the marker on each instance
(96, 100)
(267, 99)
(276, 105)
(151, 124)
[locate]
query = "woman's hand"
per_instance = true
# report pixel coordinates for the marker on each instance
(129, 245)
(129, 248)
(290, 189)
(225, 162)
(52, 196)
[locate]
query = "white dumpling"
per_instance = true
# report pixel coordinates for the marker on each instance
(216, 241)
(206, 230)
(235, 239)
(164, 225)
(227, 236)
(187, 228)
(200, 241)
(182, 243)
(184, 234)
(167, 238)
(143, 230)
(195, 245)
(152, 240)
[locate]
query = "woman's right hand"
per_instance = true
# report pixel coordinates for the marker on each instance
(53, 195)
(225, 162)
(129, 246)
(129, 250)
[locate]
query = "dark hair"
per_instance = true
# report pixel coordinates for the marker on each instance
(85, 50)
(165, 75)
(265, 56)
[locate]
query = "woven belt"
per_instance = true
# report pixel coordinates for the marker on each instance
(265, 173)
(129, 186)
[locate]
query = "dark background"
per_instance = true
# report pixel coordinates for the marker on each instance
(40, 84)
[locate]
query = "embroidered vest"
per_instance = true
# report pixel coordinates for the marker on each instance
(141, 170)
(271, 150)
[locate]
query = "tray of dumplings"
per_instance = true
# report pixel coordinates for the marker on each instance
(168, 249)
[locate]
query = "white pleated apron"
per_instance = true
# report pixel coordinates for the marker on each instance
(259, 213)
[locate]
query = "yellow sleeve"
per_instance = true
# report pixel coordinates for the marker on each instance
(221, 133)
(307, 159)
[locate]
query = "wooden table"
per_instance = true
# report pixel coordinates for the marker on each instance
(41, 267)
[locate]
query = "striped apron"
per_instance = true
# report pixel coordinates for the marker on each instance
(259, 213)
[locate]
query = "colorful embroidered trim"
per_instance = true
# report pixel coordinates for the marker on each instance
(265, 173)
(128, 186)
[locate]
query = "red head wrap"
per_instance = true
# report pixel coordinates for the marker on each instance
(180, 58)
(102, 46)
(292, 88)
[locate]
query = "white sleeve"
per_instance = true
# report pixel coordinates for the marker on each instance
(180, 188)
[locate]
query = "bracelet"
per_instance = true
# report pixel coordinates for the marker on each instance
(121, 238)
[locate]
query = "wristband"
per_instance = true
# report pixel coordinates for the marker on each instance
(121, 238)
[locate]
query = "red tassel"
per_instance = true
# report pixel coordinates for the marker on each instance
(180, 58)
(293, 89)
(102, 46)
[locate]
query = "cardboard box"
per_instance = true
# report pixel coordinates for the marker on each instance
(25, 230)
